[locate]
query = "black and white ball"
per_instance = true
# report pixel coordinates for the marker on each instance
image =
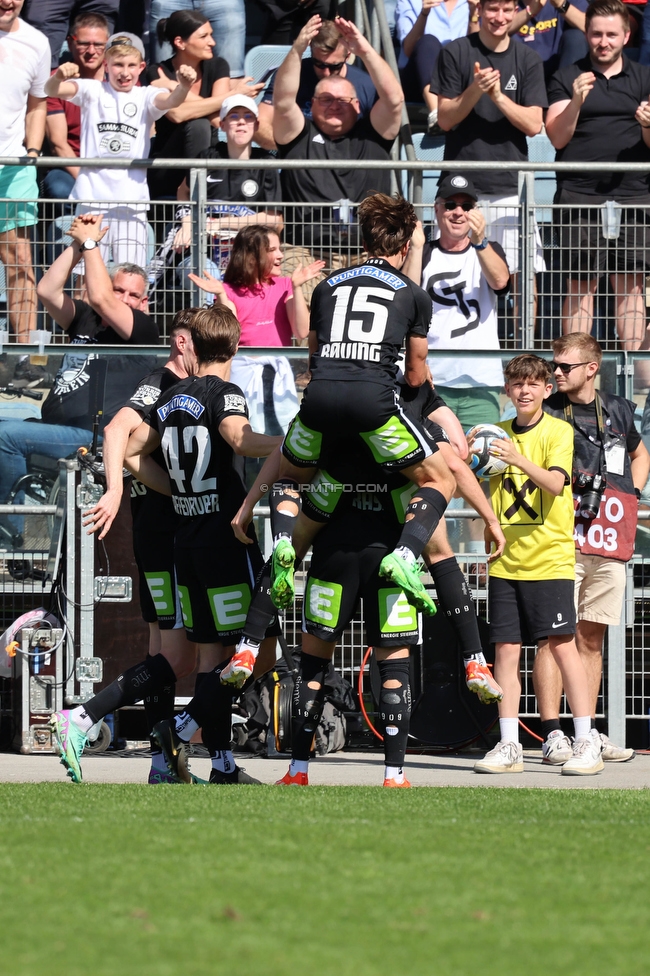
(480, 460)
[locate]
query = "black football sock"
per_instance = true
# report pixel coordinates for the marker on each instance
(135, 683)
(422, 517)
(261, 612)
(211, 709)
(550, 725)
(307, 704)
(395, 709)
(159, 705)
(457, 604)
(284, 492)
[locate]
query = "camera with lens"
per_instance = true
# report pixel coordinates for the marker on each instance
(590, 487)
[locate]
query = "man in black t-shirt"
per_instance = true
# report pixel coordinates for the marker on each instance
(329, 56)
(334, 133)
(491, 94)
(599, 112)
(84, 385)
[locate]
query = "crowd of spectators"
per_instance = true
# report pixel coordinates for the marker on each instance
(487, 71)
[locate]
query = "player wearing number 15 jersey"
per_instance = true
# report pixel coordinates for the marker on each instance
(360, 318)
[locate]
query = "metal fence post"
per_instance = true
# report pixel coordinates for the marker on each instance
(527, 259)
(199, 247)
(616, 656)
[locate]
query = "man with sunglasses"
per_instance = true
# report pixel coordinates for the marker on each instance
(336, 133)
(329, 56)
(463, 273)
(606, 445)
(87, 42)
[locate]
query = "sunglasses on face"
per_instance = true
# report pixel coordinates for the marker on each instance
(334, 66)
(566, 367)
(452, 205)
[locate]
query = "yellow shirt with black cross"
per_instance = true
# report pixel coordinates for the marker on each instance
(538, 526)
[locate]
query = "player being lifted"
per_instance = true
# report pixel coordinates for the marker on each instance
(360, 318)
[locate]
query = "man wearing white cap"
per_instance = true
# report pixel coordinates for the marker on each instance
(233, 191)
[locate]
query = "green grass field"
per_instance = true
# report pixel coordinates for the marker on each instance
(120, 880)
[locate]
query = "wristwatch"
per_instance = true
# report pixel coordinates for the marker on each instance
(565, 6)
(481, 247)
(88, 245)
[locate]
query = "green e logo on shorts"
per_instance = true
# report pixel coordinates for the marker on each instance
(186, 606)
(396, 615)
(160, 588)
(325, 492)
(323, 602)
(229, 605)
(390, 442)
(303, 442)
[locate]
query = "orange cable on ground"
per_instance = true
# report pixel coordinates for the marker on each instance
(360, 691)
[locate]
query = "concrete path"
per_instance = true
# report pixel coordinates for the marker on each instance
(341, 769)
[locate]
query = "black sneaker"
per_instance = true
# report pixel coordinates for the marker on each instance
(237, 776)
(173, 749)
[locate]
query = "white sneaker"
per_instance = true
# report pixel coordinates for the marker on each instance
(587, 756)
(506, 757)
(612, 753)
(557, 749)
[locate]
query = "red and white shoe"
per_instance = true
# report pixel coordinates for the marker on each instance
(300, 779)
(394, 784)
(478, 678)
(239, 668)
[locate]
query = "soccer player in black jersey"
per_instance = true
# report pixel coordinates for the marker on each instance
(202, 425)
(154, 523)
(360, 318)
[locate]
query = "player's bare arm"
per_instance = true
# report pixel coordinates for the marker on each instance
(116, 437)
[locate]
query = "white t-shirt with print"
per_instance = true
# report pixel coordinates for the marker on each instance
(464, 317)
(25, 58)
(114, 125)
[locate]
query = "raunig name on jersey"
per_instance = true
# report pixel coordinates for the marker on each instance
(351, 350)
(181, 402)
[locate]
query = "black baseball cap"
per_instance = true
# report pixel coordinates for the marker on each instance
(456, 183)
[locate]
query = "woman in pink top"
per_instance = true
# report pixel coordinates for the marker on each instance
(270, 308)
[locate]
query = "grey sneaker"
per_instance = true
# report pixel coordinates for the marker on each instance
(557, 749)
(612, 753)
(587, 757)
(506, 757)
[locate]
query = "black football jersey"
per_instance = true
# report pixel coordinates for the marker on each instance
(361, 317)
(150, 510)
(206, 476)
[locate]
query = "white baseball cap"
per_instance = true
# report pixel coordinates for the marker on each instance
(238, 101)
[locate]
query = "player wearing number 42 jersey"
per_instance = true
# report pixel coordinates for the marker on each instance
(360, 318)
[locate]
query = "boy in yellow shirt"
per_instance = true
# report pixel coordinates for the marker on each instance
(532, 583)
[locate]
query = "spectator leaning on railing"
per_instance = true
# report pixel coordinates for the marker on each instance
(24, 69)
(87, 42)
(334, 133)
(115, 313)
(599, 112)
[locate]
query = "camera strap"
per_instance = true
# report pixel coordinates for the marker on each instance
(600, 427)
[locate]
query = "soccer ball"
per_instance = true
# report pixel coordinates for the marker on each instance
(480, 460)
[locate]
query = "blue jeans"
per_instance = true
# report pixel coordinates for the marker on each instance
(52, 17)
(19, 438)
(644, 52)
(228, 20)
(57, 185)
